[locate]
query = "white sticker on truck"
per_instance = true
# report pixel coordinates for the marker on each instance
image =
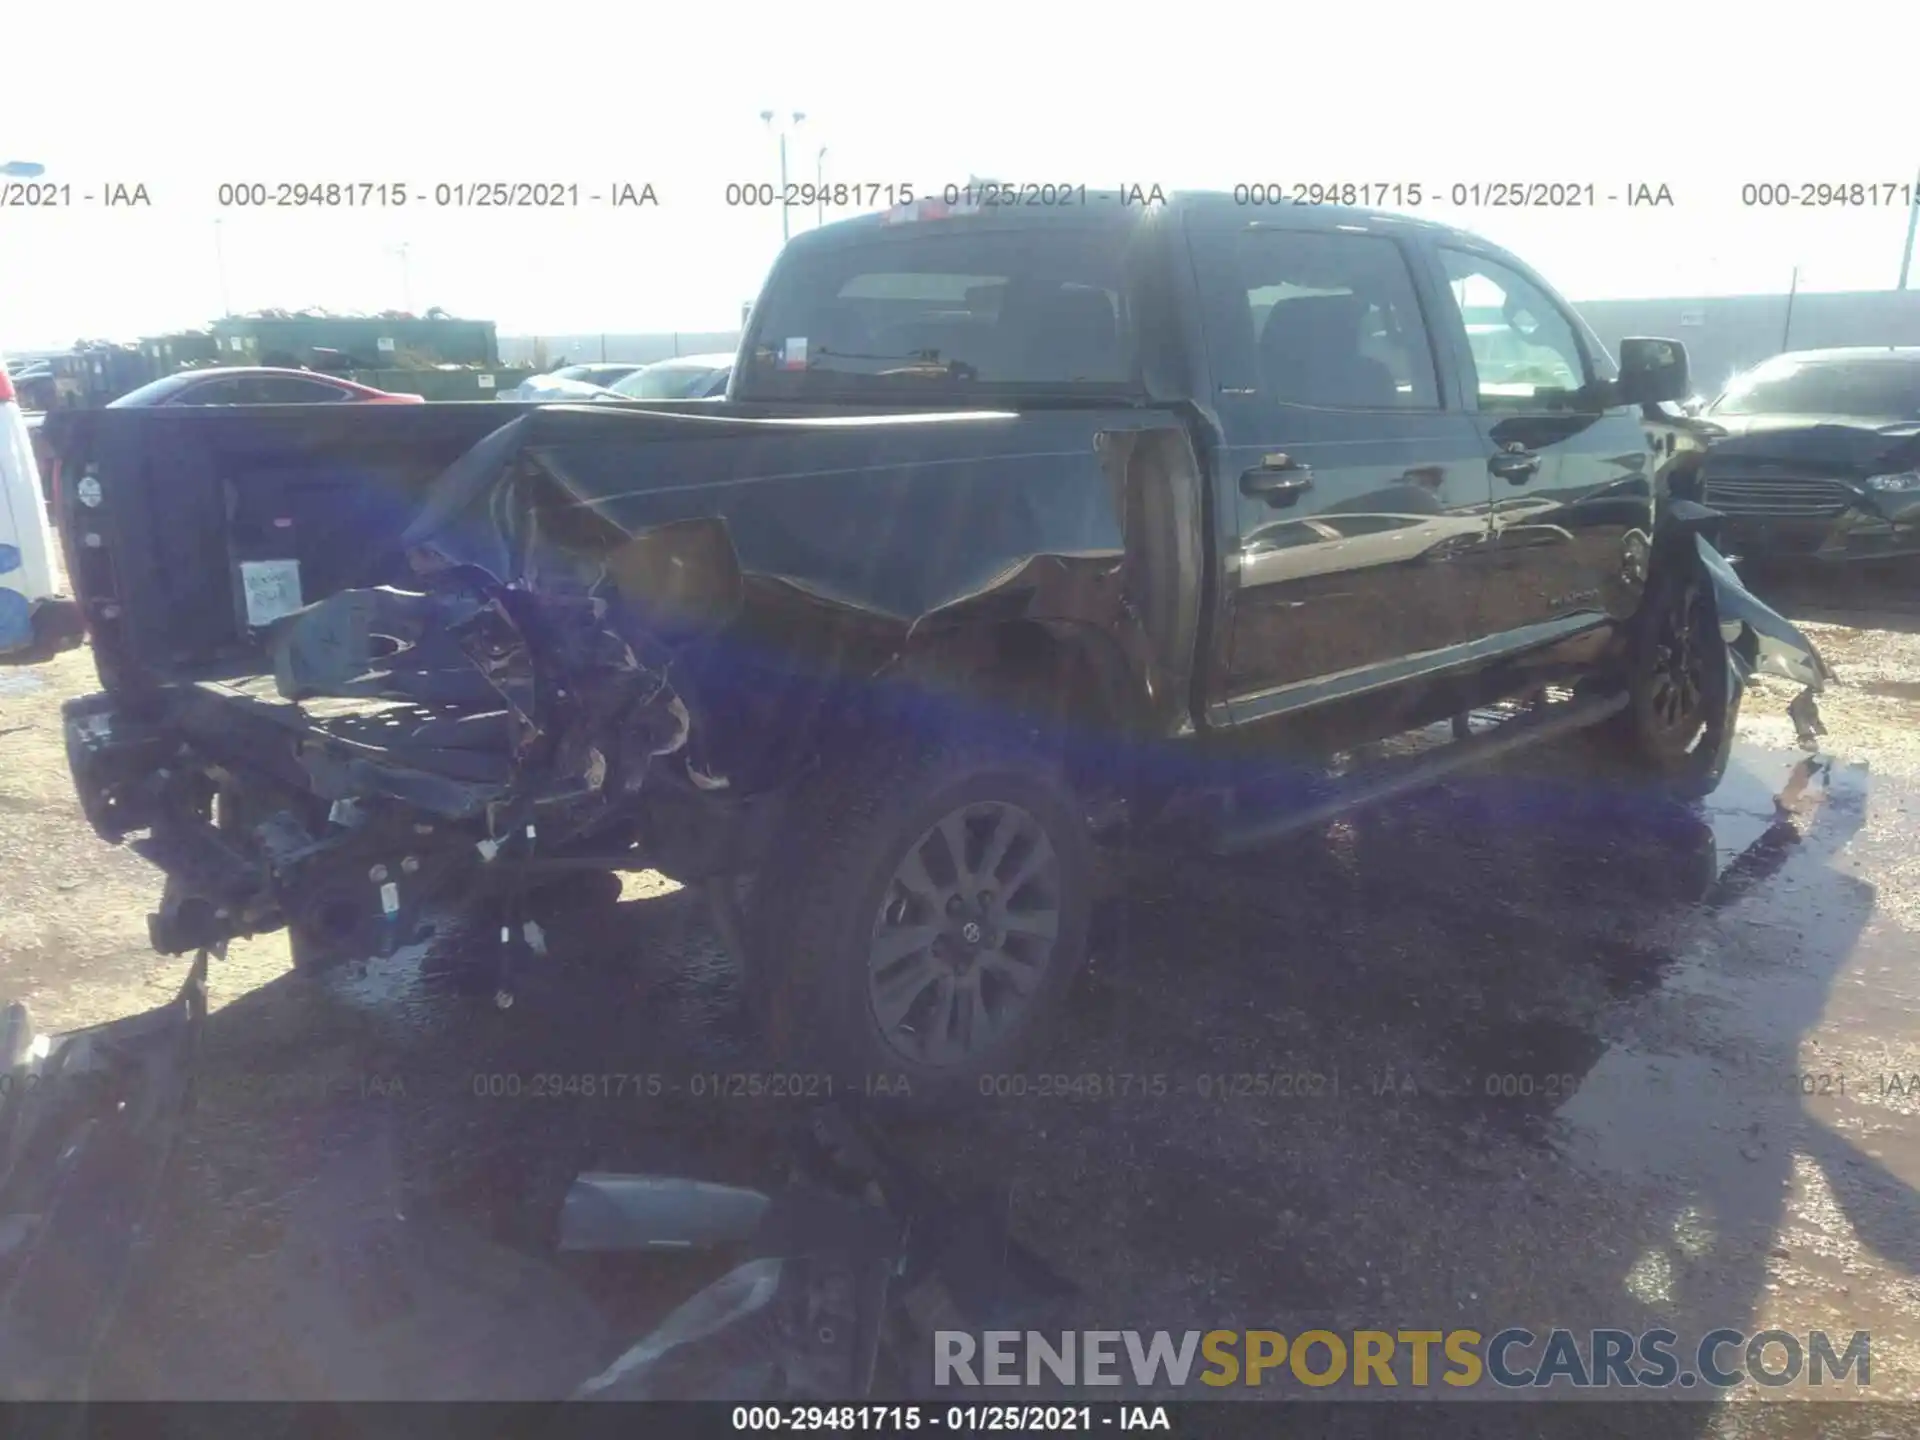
(273, 589)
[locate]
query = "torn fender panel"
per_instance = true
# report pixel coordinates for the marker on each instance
(847, 534)
(1766, 642)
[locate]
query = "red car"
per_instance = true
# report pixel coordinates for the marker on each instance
(231, 385)
(256, 385)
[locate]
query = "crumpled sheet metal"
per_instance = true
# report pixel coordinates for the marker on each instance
(869, 530)
(1780, 647)
(836, 1275)
(609, 1212)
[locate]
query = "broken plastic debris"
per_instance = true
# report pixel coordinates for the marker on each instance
(605, 1211)
(733, 1298)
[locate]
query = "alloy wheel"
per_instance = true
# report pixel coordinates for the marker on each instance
(1678, 689)
(965, 933)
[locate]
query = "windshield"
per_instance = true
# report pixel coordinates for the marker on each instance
(666, 382)
(604, 374)
(934, 311)
(1875, 386)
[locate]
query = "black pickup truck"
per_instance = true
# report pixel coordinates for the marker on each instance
(1019, 529)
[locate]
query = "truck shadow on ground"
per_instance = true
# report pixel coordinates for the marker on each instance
(1507, 1056)
(1521, 1052)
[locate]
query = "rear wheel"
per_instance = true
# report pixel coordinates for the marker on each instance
(921, 917)
(1682, 703)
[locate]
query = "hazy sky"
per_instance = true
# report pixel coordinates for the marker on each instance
(186, 96)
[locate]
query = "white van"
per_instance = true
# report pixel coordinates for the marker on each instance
(26, 540)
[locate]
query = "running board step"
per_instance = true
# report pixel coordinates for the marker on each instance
(1399, 776)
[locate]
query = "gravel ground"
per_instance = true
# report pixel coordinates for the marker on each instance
(1574, 1059)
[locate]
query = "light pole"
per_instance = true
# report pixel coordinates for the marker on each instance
(786, 226)
(406, 275)
(819, 186)
(1913, 221)
(220, 267)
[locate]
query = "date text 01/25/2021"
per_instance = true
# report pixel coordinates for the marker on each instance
(892, 194)
(442, 194)
(1458, 194)
(953, 1419)
(61, 195)
(696, 1085)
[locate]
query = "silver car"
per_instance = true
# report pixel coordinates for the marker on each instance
(571, 382)
(685, 377)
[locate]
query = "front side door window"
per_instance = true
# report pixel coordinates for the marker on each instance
(1526, 356)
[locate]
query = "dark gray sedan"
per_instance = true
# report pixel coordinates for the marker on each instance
(1817, 455)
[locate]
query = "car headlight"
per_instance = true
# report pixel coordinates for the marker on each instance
(1901, 480)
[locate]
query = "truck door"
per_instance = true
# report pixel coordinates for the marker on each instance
(1359, 486)
(1572, 477)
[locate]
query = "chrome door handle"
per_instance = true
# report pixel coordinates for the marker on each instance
(1278, 479)
(1515, 465)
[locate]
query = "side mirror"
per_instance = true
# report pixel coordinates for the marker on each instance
(1652, 371)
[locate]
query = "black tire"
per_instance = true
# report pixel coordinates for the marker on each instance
(1683, 706)
(824, 898)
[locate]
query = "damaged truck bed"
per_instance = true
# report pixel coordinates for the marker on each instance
(1017, 532)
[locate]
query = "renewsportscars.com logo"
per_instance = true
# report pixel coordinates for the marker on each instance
(1511, 1359)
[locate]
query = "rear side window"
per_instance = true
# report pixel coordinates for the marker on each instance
(285, 390)
(210, 392)
(1332, 320)
(947, 312)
